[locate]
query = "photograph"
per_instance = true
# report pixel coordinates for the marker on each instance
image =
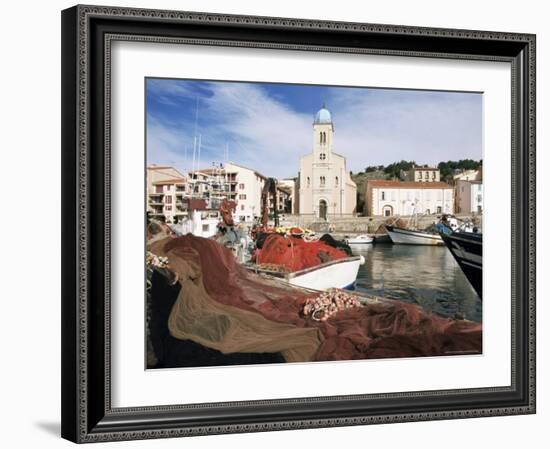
(310, 223)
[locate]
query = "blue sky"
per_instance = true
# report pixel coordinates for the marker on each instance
(269, 126)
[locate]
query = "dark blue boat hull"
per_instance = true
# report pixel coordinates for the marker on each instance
(467, 249)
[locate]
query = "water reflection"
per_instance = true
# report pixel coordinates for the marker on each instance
(426, 275)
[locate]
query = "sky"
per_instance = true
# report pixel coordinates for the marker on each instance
(268, 127)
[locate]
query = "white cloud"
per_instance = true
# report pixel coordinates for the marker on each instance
(372, 127)
(382, 127)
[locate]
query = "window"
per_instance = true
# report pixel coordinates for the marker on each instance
(242, 206)
(439, 209)
(168, 187)
(242, 196)
(308, 181)
(322, 156)
(241, 186)
(168, 199)
(383, 196)
(205, 228)
(158, 189)
(336, 181)
(168, 207)
(433, 175)
(322, 180)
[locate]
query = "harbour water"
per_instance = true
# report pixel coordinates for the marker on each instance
(425, 275)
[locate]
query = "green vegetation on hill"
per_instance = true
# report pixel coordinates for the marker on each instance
(361, 180)
(449, 168)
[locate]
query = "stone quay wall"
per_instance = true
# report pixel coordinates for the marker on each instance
(361, 225)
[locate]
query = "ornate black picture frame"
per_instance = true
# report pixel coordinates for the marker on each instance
(87, 34)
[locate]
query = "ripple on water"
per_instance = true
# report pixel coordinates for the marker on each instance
(428, 276)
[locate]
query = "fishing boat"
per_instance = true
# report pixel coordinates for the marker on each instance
(340, 273)
(358, 240)
(466, 248)
(405, 236)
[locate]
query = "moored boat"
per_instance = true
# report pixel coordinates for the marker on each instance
(362, 239)
(340, 273)
(404, 236)
(467, 249)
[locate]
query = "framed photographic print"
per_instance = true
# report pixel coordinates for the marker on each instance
(284, 223)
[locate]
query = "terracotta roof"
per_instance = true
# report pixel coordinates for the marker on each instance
(407, 184)
(158, 167)
(170, 181)
(247, 168)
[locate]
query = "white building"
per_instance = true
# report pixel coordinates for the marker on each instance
(387, 198)
(469, 197)
(235, 182)
(325, 185)
(468, 175)
(249, 184)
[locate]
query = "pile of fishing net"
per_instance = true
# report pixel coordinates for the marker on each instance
(328, 303)
(222, 306)
(294, 253)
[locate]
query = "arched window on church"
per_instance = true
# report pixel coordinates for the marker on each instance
(336, 181)
(308, 181)
(322, 156)
(322, 179)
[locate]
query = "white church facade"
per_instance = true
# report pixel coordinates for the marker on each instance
(325, 185)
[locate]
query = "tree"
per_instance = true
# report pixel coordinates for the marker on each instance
(448, 169)
(394, 169)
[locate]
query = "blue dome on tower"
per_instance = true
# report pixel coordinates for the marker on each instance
(323, 116)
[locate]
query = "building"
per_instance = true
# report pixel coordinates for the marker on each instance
(214, 185)
(249, 185)
(325, 185)
(284, 204)
(421, 174)
(468, 175)
(468, 197)
(290, 185)
(387, 198)
(233, 182)
(166, 187)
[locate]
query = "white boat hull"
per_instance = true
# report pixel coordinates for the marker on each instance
(356, 241)
(336, 274)
(408, 237)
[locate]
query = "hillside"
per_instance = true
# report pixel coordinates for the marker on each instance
(361, 179)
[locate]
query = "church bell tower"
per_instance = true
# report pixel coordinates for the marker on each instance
(323, 131)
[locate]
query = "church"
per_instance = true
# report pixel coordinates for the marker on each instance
(325, 185)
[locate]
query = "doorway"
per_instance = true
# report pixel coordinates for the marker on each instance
(322, 209)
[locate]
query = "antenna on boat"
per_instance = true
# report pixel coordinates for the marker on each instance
(195, 141)
(199, 152)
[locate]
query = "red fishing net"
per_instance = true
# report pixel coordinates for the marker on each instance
(215, 289)
(296, 254)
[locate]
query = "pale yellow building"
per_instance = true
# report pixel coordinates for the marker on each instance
(325, 185)
(421, 174)
(166, 188)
